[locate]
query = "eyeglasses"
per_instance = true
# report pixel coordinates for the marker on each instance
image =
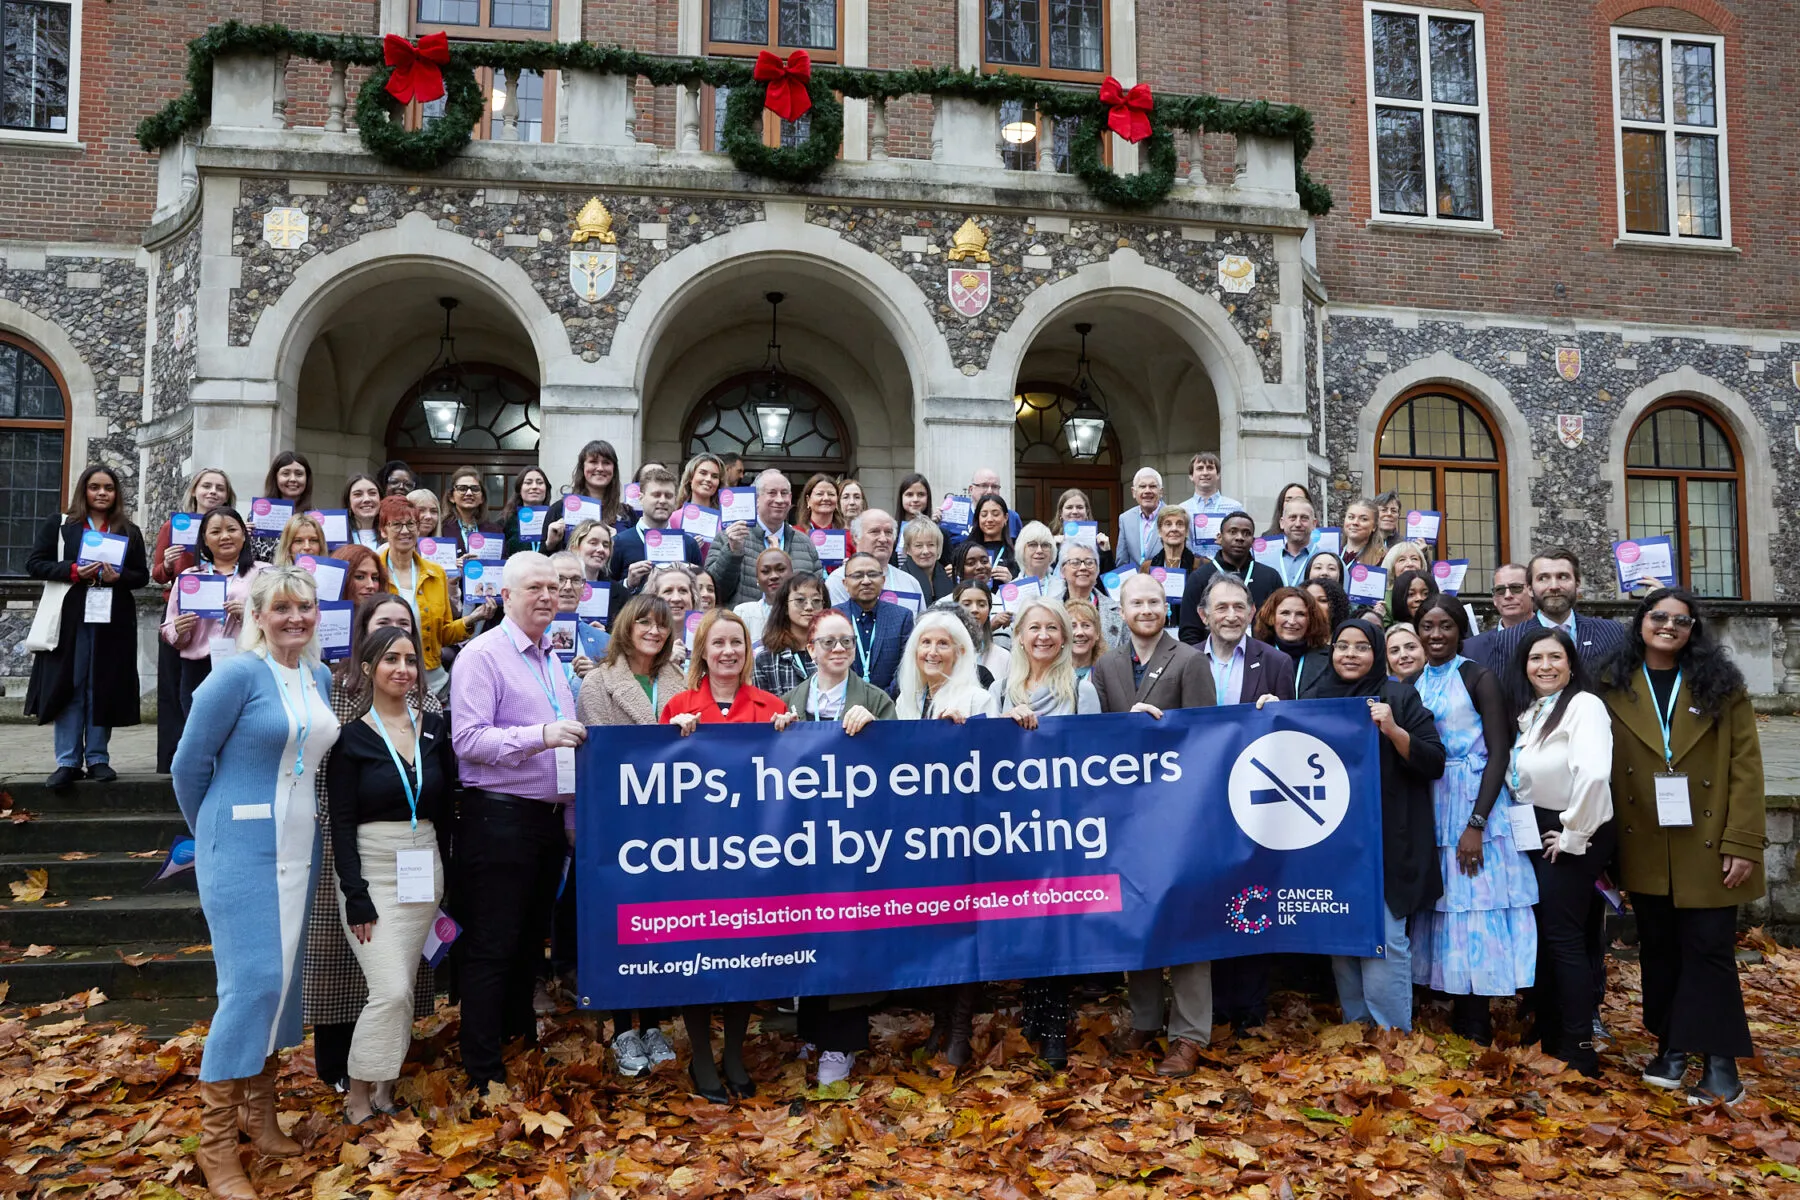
(467, 487)
(569, 581)
(808, 601)
(1680, 620)
(1508, 589)
(833, 643)
(863, 576)
(1353, 647)
(403, 526)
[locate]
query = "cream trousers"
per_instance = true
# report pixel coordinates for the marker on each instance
(390, 958)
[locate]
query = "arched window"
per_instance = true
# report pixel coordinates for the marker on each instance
(1684, 480)
(810, 438)
(499, 432)
(34, 447)
(1442, 453)
(1045, 468)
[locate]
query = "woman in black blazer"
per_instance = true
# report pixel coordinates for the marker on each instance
(88, 684)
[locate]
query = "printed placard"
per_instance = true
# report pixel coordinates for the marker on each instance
(1449, 573)
(184, 529)
(1366, 585)
(956, 514)
(1422, 525)
(441, 551)
(699, 520)
(202, 595)
(334, 629)
(1084, 533)
(335, 524)
(531, 523)
(596, 602)
(830, 545)
(1114, 580)
(269, 514)
(664, 546)
(486, 547)
(1267, 551)
(107, 548)
(634, 497)
(1522, 824)
(737, 504)
(328, 573)
(564, 636)
(480, 584)
(577, 509)
(1208, 526)
(1329, 540)
(689, 626)
(444, 930)
(1174, 582)
(1644, 561)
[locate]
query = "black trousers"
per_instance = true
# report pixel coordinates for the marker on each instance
(1693, 1000)
(509, 855)
(828, 1028)
(1241, 990)
(563, 944)
(331, 1050)
(1568, 910)
(171, 716)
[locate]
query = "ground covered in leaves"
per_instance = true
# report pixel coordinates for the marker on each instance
(91, 1110)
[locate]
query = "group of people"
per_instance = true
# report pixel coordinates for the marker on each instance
(1527, 772)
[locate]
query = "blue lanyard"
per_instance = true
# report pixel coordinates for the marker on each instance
(1665, 720)
(866, 651)
(541, 672)
(299, 715)
(1286, 577)
(1543, 714)
(416, 784)
(1299, 673)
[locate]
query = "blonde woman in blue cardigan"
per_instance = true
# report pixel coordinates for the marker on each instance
(244, 777)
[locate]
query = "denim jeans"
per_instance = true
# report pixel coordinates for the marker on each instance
(74, 729)
(1378, 991)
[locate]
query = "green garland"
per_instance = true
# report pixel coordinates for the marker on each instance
(790, 164)
(429, 148)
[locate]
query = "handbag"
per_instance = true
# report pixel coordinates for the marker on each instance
(46, 626)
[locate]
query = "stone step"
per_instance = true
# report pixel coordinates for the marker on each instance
(169, 974)
(116, 873)
(128, 923)
(54, 833)
(129, 793)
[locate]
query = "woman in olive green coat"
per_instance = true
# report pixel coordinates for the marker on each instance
(1688, 797)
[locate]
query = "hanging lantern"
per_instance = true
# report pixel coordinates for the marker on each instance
(441, 390)
(1085, 429)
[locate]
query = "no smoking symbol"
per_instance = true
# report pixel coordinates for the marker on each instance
(1288, 790)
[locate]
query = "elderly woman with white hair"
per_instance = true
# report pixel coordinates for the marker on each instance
(1035, 550)
(1081, 581)
(244, 777)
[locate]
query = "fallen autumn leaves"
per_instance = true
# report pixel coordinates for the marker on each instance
(93, 1111)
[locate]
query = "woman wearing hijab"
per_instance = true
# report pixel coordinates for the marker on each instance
(1379, 990)
(1480, 938)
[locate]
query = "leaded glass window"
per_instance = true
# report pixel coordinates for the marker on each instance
(810, 25)
(1683, 482)
(1669, 103)
(1428, 115)
(1051, 36)
(726, 421)
(35, 66)
(1440, 453)
(33, 438)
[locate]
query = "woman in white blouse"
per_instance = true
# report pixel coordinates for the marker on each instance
(1562, 770)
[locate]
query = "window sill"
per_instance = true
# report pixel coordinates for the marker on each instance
(1688, 247)
(1435, 227)
(49, 144)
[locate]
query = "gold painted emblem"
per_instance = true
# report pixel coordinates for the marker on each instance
(593, 222)
(969, 244)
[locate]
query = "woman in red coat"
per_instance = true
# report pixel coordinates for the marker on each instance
(719, 691)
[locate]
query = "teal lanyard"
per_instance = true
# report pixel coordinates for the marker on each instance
(1287, 577)
(416, 784)
(1299, 673)
(298, 714)
(541, 672)
(866, 651)
(1543, 714)
(1665, 720)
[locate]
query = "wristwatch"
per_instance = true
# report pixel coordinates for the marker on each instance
(1477, 821)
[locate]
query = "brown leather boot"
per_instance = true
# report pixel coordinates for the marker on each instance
(256, 1117)
(217, 1153)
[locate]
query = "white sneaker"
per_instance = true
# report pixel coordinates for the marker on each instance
(834, 1066)
(656, 1046)
(629, 1055)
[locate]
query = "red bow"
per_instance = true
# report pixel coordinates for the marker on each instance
(1129, 111)
(416, 74)
(787, 96)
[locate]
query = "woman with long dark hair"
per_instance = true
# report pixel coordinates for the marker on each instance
(596, 478)
(913, 499)
(783, 663)
(530, 489)
(1379, 990)
(1411, 591)
(1687, 778)
(209, 488)
(88, 685)
(290, 478)
(224, 546)
(993, 533)
(1561, 761)
(1480, 939)
(362, 500)
(1331, 597)
(465, 509)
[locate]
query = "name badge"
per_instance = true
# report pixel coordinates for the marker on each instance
(1672, 808)
(99, 606)
(565, 770)
(414, 877)
(1522, 823)
(221, 648)
(252, 812)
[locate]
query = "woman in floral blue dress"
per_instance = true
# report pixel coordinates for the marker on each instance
(1480, 939)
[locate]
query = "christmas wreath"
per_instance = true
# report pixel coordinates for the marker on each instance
(743, 135)
(1151, 184)
(437, 141)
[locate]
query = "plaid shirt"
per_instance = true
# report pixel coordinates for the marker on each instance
(779, 672)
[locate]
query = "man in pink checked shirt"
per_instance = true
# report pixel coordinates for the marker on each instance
(514, 730)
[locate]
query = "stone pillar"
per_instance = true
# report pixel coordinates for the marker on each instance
(598, 109)
(239, 425)
(965, 133)
(954, 435)
(1790, 658)
(244, 91)
(572, 414)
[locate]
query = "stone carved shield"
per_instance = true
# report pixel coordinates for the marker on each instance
(1568, 362)
(592, 273)
(971, 287)
(1570, 429)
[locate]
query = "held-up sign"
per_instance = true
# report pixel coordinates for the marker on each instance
(268, 515)
(737, 504)
(1449, 574)
(830, 545)
(699, 520)
(202, 595)
(1644, 561)
(97, 547)
(334, 523)
(328, 573)
(1422, 525)
(184, 529)
(1368, 585)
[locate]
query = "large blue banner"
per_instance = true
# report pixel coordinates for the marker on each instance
(740, 863)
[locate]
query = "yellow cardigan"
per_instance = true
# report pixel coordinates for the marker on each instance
(436, 627)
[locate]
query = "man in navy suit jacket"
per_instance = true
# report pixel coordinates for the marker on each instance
(630, 560)
(881, 628)
(1556, 586)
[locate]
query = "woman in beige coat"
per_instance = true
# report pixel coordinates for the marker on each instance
(1688, 793)
(630, 688)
